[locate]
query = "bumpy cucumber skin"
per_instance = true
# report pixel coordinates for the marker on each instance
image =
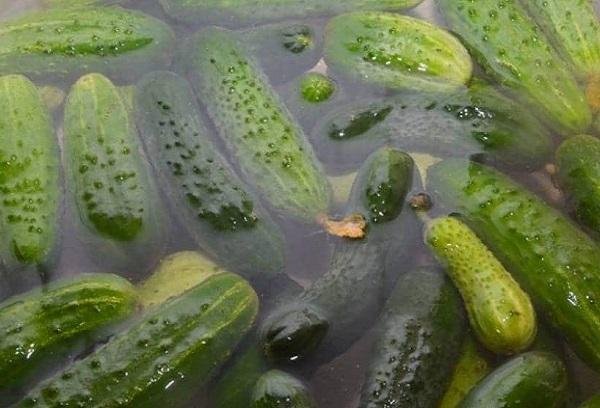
(553, 261)
(534, 379)
(326, 316)
(71, 42)
(500, 313)
(396, 51)
(40, 327)
(276, 389)
(269, 145)
(508, 44)
(232, 13)
(315, 87)
(578, 160)
(217, 207)
(418, 342)
(574, 27)
(29, 176)
(162, 359)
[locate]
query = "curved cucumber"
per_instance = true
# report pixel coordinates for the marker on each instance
(396, 51)
(500, 313)
(508, 43)
(534, 379)
(258, 130)
(42, 327)
(276, 389)
(578, 160)
(326, 316)
(553, 261)
(162, 359)
(219, 210)
(246, 12)
(417, 343)
(65, 42)
(29, 175)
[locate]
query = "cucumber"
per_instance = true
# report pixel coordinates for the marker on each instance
(29, 176)
(315, 87)
(593, 402)
(511, 48)
(259, 131)
(70, 42)
(163, 358)
(553, 261)
(326, 316)
(501, 314)
(475, 121)
(247, 12)
(579, 175)
(534, 379)
(42, 327)
(218, 208)
(395, 51)
(278, 389)
(417, 343)
(472, 367)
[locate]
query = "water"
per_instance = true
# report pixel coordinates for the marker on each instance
(336, 384)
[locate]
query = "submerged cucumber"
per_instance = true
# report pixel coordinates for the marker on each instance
(534, 379)
(63, 42)
(396, 51)
(224, 217)
(162, 359)
(266, 141)
(315, 87)
(29, 175)
(278, 389)
(553, 261)
(417, 343)
(500, 313)
(509, 45)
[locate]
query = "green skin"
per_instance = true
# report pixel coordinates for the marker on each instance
(417, 343)
(396, 51)
(578, 160)
(110, 183)
(276, 389)
(593, 402)
(508, 44)
(268, 144)
(41, 327)
(574, 28)
(236, 13)
(500, 313)
(61, 42)
(29, 176)
(215, 204)
(199, 329)
(534, 379)
(553, 261)
(315, 88)
(326, 316)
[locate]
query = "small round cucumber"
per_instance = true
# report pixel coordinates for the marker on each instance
(276, 389)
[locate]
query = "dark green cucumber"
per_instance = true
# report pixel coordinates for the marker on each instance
(578, 160)
(534, 379)
(500, 313)
(326, 316)
(553, 261)
(218, 208)
(276, 389)
(396, 51)
(29, 175)
(162, 359)
(259, 131)
(475, 121)
(42, 327)
(417, 343)
(245, 12)
(75, 41)
(509, 45)
(593, 402)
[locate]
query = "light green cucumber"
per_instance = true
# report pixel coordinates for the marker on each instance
(29, 176)
(261, 134)
(396, 51)
(276, 389)
(315, 87)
